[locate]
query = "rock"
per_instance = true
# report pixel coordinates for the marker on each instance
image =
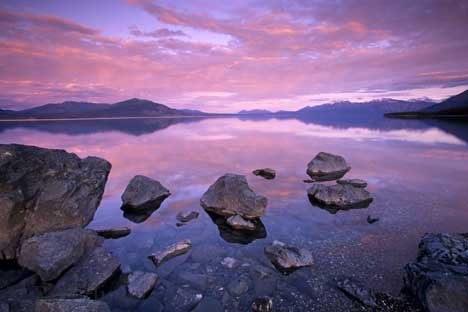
(231, 195)
(45, 190)
(266, 173)
(339, 196)
(308, 181)
(198, 281)
(232, 235)
(68, 305)
(230, 263)
(353, 182)
(262, 304)
(239, 286)
(89, 275)
(143, 193)
(239, 223)
(185, 300)
(287, 258)
(11, 273)
(187, 216)
(357, 291)
(140, 284)
(209, 304)
(439, 277)
(371, 220)
(117, 232)
(327, 167)
(171, 251)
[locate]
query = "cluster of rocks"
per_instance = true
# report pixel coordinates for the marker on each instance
(345, 194)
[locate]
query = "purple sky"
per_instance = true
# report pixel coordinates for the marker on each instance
(229, 55)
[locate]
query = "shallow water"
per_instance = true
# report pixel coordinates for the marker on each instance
(417, 173)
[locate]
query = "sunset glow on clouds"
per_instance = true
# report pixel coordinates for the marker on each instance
(226, 56)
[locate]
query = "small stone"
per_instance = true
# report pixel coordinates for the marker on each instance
(239, 223)
(266, 173)
(230, 263)
(185, 300)
(187, 216)
(262, 304)
(286, 258)
(140, 284)
(143, 193)
(353, 182)
(171, 251)
(371, 220)
(68, 305)
(357, 291)
(114, 232)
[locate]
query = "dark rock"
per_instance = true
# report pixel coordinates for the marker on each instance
(357, 291)
(262, 304)
(114, 232)
(140, 284)
(143, 193)
(19, 294)
(308, 181)
(266, 173)
(198, 281)
(231, 195)
(187, 216)
(339, 196)
(232, 235)
(140, 215)
(209, 304)
(353, 182)
(239, 286)
(439, 278)
(11, 273)
(4, 307)
(371, 220)
(327, 167)
(185, 300)
(239, 223)
(287, 258)
(89, 275)
(45, 190)
(171, 251)
(52, 253)
(68, 305)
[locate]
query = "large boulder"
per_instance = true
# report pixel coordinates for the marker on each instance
(339, 196)
(68, 305)
(44, 190)
(327, 167)
(288, 258)
(52, 253)
(231, 195)
(439, 277)
(143, 193)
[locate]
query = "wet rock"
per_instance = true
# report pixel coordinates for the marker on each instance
(185, 300)
(67, 305)
(113, 233)
(140, 215)
(198, 281)
(209, 304)
(171, 251)
(357, 291)
(89, 275)
(231, 195)
(239, 223)
(52, 253)
(238, 286)
(339, 196)
(187, 216)
(353, 182)
(140, 284)
(266, 173)
(262, 304)
(23, 293)
(232, 235)
(143, 193)
(371, 220)
(439, 277)
(287, 258)
(45, 190)
(327, 167)
(230, 263)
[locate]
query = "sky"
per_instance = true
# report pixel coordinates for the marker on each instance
(224, 56)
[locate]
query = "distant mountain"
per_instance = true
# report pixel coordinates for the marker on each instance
(129, 108)
(254, 112)
(455, 106)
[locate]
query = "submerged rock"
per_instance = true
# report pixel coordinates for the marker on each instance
(238, 286)
(44, 190)
(262, 304)
(170, 252)
(353, 182)
(232, 235)
(239, 223)
(339, 196)
(439, 277)
(68, 305)
(143, 193)
(266, 173)
(327, 167)
(52, 253)
(230, 263)
(187, 216)
(114, 232)
(140, 284)
(184, 300)
(357, 291)
(287, 258)
(89, 275)
(371, 220)
(231, 195)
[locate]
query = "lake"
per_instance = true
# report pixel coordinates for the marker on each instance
(416, 170)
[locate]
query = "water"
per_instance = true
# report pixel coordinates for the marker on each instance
(417, 173)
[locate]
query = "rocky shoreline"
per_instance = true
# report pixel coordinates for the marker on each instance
(48, 197)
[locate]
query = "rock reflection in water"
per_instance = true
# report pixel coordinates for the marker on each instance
(234, 236)
(140, 215)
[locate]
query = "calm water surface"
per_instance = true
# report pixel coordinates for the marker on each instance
(417, 173)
